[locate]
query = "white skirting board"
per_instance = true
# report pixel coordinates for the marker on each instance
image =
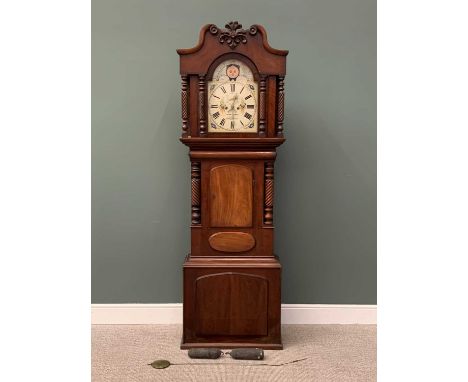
(141, 314)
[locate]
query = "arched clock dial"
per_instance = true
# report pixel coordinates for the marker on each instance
(232, 99)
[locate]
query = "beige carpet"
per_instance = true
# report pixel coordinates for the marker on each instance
(335, 353)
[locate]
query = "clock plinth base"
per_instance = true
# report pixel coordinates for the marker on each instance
(233, 345)
(232, 302)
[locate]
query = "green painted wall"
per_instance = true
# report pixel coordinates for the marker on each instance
(325, 214)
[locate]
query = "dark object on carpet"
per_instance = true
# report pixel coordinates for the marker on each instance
(239, 353)
(247, 353)
(205, 353)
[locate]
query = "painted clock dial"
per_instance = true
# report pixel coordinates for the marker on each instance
(232, 99)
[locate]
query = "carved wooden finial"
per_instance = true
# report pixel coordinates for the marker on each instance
(233, 35)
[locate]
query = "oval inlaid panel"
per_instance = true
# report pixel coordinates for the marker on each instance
(232, 241)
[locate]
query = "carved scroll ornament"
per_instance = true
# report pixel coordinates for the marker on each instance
(233, 35)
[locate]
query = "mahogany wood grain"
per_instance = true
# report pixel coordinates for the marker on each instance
(232, 279)
(231, 187)
(225, 304)
(197, 60)
(233, 143)
(232, 155)
(263, 235)
(197, 320)
(237, 261)
(271, 109)
(193, 106)
(231, 241)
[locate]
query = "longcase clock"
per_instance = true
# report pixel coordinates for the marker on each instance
(232, 121)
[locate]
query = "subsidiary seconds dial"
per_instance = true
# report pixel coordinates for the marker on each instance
(232, 107)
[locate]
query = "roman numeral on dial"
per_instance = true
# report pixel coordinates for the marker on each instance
(249, 106)
(216, 115)
(247, 115)
(249, 96)
(224, 90)
(233, 87)
(222, 122)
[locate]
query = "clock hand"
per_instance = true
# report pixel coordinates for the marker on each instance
(232, 115)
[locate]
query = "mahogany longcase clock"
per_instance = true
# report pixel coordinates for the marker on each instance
(232, 121)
